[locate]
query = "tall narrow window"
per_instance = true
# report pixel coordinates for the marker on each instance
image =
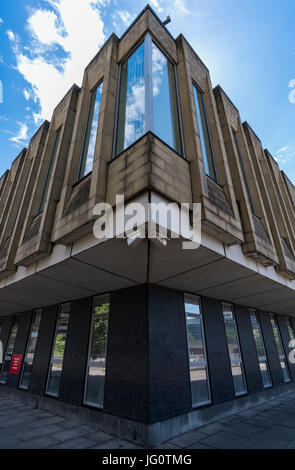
(94, 390)
(206, 144)
(30, 352)
(165, 107)
(280, 349)
(260, 348)
(9, 350)
(49, 171)
(238, 150)
(91, 129)
(290, 328)
(234, 351)
(196, 351)
(148, 98)
(57, 357)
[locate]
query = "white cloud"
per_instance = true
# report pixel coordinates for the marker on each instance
(1, 21)
(27, 94)
(156, 4)
(43, 25)
(283, 149)
(126, 17)
(77, 28)
(10, 35)
(181, 6)
(22, 136)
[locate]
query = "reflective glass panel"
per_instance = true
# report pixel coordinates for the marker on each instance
(30, 352)
(59, 344)
(90, 132)
(9, 350)
(131, 112)
(49, 172)
(207, 150)
(94, 393)
(260, 348)
(238, 149)
(196, 351)
(280, 349)
(234, 350)
(165, 108)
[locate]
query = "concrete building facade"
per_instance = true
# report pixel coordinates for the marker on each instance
(145, 340)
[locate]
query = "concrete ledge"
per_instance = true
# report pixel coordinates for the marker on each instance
(147, 435)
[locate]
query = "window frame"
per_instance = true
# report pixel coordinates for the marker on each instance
(86, 126)
(281, 357)
(53, 158)
(202, 94)
(241, 160)
(33, 323)
(246, 392)
(85, 403)
(16, 320)
(253, 311)
(209, 401)
(53, 345)
(148, 40)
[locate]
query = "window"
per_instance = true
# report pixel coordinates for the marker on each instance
(95, 377)
(290, 328)
(238, 150)
(206, 144)
(91, 129)
(280, 349)
(30, 352)
(148, 98)
(260, 348)
(196, 351)
(56, 364)
(234, 351)
(49, 171)
(9, 350)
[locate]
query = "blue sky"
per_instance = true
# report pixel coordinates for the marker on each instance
(248, 46)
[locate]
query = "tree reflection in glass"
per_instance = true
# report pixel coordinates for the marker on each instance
(94, 394)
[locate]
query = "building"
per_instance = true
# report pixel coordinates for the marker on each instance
(146, 341)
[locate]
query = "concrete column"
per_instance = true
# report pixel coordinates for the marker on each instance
(147, 376)
(222, 387)
(76, 352)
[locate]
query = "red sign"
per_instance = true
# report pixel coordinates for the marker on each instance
(15, 364)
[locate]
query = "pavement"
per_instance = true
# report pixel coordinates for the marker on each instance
(267, 426)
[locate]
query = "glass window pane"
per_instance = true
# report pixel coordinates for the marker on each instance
(131, 112)
(9, 350)
(280, 349)
(94, 393)
(290, 328)
(234, 350)
(57, 358)
(49, 172)
(91, 132)
(204, 134)
(196, 351)
(165, 107)
(238, 150)
(260, 348)
(30, 353)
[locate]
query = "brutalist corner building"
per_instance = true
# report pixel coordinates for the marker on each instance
(146, 341)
